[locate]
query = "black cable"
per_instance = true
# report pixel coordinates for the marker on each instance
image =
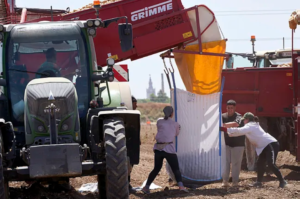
(264, 39)
(293, 9)
(224, 15)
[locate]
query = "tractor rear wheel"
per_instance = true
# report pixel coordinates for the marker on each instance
(4, 187)
(116, 159)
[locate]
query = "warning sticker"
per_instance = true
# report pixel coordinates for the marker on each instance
(187, 35)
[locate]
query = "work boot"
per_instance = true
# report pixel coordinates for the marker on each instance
(256, 184)
(131, 189)
(225, 184)
(235, 184)
(183, 189)
(146, 190)
(282, 184)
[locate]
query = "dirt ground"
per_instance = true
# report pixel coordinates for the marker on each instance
(286, 162)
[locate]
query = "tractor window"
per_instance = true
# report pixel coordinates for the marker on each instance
(30, 60)
(281, 61)
(261, 63)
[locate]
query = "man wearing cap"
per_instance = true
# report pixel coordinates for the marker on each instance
(234, 145)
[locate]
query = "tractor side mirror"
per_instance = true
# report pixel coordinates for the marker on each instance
(126, 36)
(2, 82)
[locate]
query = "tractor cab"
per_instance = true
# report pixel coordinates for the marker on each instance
(45, 50)
(263, 59)
(277, 58)
(53, 58)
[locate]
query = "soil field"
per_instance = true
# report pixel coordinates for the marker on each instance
(270, 190)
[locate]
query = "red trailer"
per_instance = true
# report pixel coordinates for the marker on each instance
(271, 92)
(268, 93)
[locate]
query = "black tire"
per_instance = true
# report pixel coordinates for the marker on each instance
(4, 187)
(116, 159)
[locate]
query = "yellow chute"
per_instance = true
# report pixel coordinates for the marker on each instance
(201, 74)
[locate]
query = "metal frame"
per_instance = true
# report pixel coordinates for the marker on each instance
(296, 100)
(168, 53)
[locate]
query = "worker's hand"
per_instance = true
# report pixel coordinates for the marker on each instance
(224, 129)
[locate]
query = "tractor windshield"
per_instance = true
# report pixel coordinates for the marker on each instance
(42, 56)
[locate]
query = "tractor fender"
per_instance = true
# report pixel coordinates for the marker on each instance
(128, 116)
(119, 92)
(131, 119)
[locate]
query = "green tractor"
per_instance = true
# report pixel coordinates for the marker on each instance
(60, 116)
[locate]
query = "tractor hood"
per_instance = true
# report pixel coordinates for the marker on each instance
(38, 91)
(37, 94)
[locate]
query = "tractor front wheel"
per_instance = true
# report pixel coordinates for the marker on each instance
(4, 187)
(116, 159)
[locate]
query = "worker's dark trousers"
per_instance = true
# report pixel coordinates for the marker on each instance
(158, 162)
(129, 175)
(268, 156)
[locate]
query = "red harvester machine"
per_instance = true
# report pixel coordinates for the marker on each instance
(271, 92)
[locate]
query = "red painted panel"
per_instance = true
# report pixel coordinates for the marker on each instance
(158, 41)
(265, 92)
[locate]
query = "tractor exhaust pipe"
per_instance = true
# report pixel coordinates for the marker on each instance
(52, 110)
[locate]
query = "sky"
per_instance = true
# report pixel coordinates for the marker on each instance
(237, 24)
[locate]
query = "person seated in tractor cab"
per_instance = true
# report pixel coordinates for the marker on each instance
(49, 68)
(50, 58)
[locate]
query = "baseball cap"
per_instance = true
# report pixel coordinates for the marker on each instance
(249, 116)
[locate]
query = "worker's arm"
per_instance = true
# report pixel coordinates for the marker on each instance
(235, 123)
(240, 131)
(231, 124)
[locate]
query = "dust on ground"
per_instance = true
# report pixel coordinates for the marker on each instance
(289, 168)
